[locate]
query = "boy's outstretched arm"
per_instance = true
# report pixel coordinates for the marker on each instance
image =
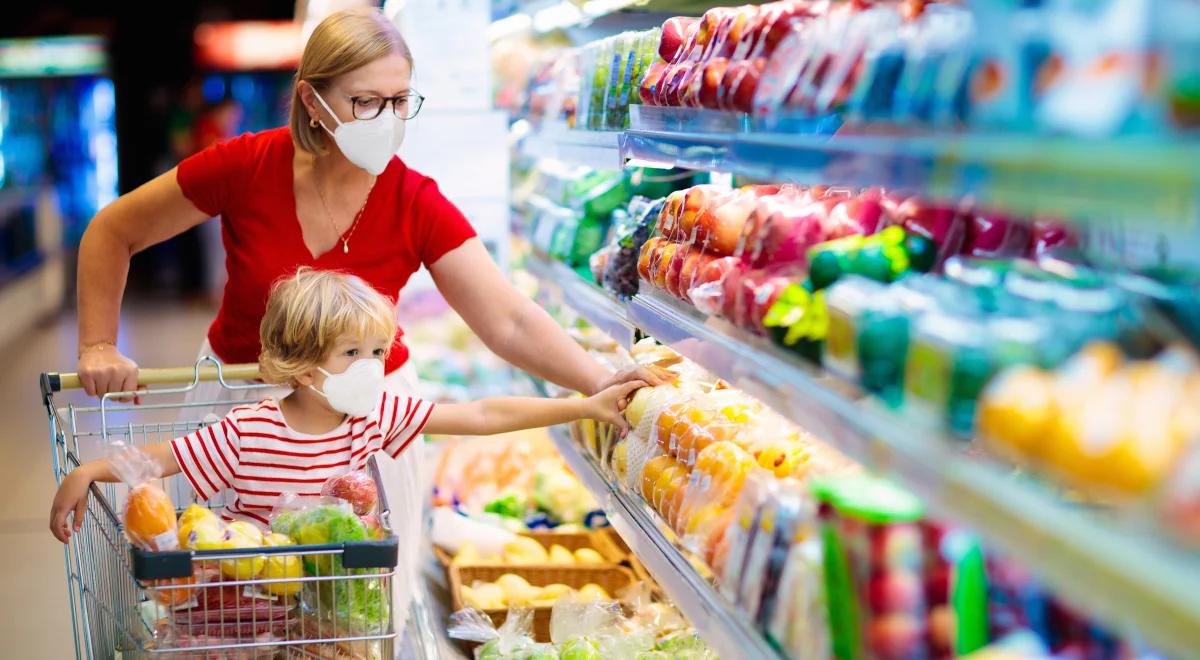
(72, 494)
(505, 414)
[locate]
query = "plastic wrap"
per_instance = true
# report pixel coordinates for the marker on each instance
(512, 641)
(149, 515)
(356, 487)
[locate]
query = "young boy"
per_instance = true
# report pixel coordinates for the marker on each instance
(326, 335)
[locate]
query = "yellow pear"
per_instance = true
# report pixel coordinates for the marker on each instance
(195, 512)
(552, 592)
(467, 554)
(593, 592)
(560, 555)
(201, 534)
(242, 536)
(517, 591)
(524, 550)
(588, 556)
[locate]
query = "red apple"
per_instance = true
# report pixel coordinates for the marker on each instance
(355, 487)
(647, 257)
(1048, 235)
(894, 592)
(710, 84)
(648, 89)
(720, 226)
(668, 218)
(994, 236)
(695, 202)
(894, 637)
(675, 34)
(940, 223)
(746, 86)
(788, 233)
(658, 268)
(675, 268)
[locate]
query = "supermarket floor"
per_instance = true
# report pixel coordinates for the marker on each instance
(33, 589)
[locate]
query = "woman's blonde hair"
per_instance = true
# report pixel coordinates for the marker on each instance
(309, 312)
(344, 41)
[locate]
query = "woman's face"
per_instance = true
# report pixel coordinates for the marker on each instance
(385, 77)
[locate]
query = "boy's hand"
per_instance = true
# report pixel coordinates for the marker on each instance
(607, 406)
(72, 495)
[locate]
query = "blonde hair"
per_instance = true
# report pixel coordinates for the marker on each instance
(309, 312)
(344, 41)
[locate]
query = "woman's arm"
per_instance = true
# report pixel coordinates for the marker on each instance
(515, 328)
(505, 414)
(72, 495)
(151, 214)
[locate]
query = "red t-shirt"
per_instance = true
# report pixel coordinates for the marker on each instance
(248, 181)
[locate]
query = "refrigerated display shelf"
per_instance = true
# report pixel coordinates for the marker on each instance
(726, 630)
(1126, 180)
(1117, 568)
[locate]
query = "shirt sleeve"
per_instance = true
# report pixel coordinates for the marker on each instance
(209, 457)
(443, 225)
(208, 178)
(401, 420)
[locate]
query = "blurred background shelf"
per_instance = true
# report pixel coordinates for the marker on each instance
(1132, 181)
(1121, 572)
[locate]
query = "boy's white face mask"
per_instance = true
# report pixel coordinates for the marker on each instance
(368, 143)
(357, 390)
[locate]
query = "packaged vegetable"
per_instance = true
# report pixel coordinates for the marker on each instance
(512, 641)
(356, 487)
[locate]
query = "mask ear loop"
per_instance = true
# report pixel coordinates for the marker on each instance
(329, 110)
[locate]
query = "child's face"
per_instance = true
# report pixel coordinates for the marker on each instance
(346, 351)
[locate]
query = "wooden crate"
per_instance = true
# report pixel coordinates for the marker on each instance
(600, 541)
(612, 578)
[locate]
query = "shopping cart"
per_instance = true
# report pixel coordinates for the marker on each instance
(191, 604)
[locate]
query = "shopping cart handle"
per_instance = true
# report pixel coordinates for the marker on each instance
(57, 382)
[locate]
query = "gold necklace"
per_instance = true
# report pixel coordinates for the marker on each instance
(345, 237)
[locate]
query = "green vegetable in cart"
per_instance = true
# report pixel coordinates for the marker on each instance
(580, 649)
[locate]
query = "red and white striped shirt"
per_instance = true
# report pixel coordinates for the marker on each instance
(257, 456)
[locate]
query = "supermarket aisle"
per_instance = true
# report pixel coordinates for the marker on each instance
(32, 584)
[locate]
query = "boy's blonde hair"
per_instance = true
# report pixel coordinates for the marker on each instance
(344, 41)
(309, 312)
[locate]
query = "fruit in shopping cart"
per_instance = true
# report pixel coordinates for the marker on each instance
(172, 592)
(200, 528)
(150, 518)
(356, 487)
(241, 535)
(524, 550)
(374, 526)
(579, 649)
(280, 567)
(894, 591)
(894, 636)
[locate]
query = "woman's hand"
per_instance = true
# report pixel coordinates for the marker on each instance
(609, 405)
(646, 376)
(104, 369)
(72, 495)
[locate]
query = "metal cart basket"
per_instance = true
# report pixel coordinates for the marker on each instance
(289, 601)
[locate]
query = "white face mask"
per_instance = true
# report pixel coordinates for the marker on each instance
(357, 390)
(368, 143)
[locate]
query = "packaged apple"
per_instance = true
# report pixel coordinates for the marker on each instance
(846, 64)
(149, 515)
(873, 558)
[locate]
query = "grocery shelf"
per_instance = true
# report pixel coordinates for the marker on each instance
(1124, 180)
(724, 629)
(589, 301)
(594, 149)
(1117, 569)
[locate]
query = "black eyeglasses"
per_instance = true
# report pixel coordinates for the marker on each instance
(405, 106)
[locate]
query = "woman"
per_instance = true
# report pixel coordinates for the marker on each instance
(328, 192)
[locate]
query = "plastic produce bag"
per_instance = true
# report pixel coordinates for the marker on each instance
(362, 605)
(592, 629)
(512, 641)
(356, 487)
(149, 515)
